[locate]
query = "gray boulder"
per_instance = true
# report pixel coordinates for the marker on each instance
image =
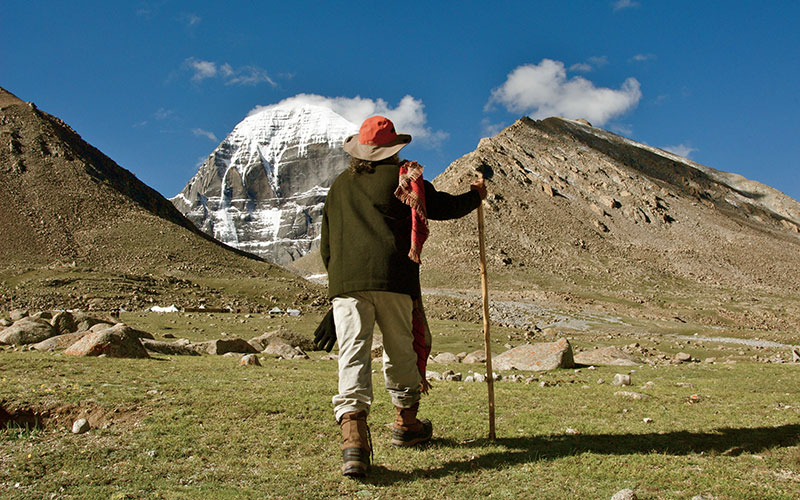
(285, 351)
(27, 331)
(64, 322)
(284, 336)
(59, 342)
(475, 357)
(445, 358)
(606, 356)
(18, 314)
(536, 357)
(84, 321)
(224, 346)
(169, 348)
(118, 341)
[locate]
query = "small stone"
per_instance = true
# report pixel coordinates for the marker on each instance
(637, 396)
(600, 381)
(431, 375)
(80, 426)
(626, 494)
(571, 432)
(475, 357)
(480, 377)
(682, 357)
(249, 360)
(453, 377)
(469, 378)
(622, 379)
(648, 385)
(647, 420)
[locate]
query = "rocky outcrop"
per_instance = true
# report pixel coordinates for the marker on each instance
(27, 330)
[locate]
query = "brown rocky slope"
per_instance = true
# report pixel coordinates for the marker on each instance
(585, 218)
(77, 229)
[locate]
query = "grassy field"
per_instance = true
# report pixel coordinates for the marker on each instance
(204, 427)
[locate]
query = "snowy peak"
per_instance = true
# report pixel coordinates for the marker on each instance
(262, 189)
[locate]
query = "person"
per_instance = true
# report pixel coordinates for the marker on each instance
(374, 223)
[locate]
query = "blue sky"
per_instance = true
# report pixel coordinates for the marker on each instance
(157, 84)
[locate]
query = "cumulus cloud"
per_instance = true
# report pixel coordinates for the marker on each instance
(408, 116)
(243, 75)
(681, 150)
(205, 133)
(543, 90)
(624, 4)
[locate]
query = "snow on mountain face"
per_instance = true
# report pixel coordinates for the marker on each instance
(262, 189)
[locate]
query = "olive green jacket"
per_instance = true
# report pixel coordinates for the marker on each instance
(366, 231)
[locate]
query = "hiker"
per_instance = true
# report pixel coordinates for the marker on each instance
(373, 227)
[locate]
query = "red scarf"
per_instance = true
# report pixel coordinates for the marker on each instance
(411, 191)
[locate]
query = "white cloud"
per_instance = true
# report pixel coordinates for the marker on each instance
(643, 57)
(590, 64)
(624, 4)
(201, 69)
(543, 90)
(244, 75)
(191, 19)
(622, 129)
(162, 114)
(680, 150)
(408, 116)
(491, 129)
(205, 133)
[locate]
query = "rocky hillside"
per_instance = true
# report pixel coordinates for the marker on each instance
(77, 227)
(585, 217)
(262, 189)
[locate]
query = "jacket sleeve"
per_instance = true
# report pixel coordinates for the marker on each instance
(444, 206)
(324, 241)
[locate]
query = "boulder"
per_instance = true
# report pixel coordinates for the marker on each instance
(5, 322)
(682, 357)
(18, 314)
(27, 331)
(606, 356)
(85, 322)
(64, 322)
(445, 358)
(285, 351)
(59, 341)
(475, 357)
(622, 379)
(536, 357)
(223, 346)
(118, 341)
(46, 315)
(169, 348)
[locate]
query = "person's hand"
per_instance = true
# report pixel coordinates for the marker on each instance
(480, 187)
(325, 334)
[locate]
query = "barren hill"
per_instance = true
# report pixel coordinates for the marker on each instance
(587, 218)
(78, 229)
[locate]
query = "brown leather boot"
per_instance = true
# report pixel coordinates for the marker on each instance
(407, 430)
(356, 444)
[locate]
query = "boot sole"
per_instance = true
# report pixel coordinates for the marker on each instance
(354, 469)
(414, 442)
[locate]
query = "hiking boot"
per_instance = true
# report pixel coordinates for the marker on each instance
(356, 444)
(408, 430)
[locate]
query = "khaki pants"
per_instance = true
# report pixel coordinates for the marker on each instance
(355, 315)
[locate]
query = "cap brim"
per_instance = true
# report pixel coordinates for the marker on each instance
(372, 152)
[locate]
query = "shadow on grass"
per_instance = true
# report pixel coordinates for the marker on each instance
(726, 441)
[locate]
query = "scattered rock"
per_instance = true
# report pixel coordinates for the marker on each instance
(682, 357)
(222, 346)
(647, 420)
(606, 356)
(445, 358)
(622, 379)
(479, 377)
(571, 432)
(27, 331)
(118, 341)
(169, 348)
(285, 351)
(80, 426)
(475, 357)
(453, 377)
(636, 396)
(432, 375)
(537, 357)
(249, 360)
(18, 314)
(626, 494)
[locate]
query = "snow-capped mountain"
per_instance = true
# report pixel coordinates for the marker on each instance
(262, 189)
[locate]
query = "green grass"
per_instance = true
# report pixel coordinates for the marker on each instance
(205, 427)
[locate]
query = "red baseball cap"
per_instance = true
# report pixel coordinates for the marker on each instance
(376, 140)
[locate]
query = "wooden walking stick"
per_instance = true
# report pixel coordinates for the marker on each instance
(485, 172)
